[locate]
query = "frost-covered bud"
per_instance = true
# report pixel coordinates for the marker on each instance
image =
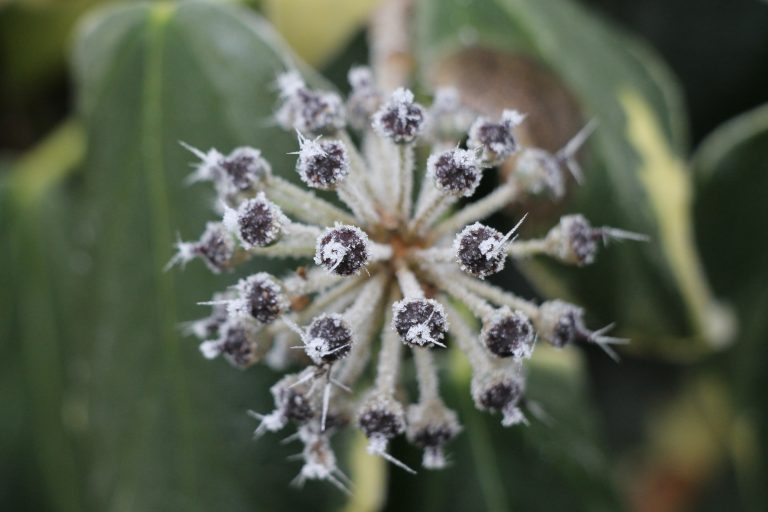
(561, 323)
(293, 400)
(261, 298)
(258, 222)
(322, 164)
(537, 171)
(455, 172)
(312, 112)
(574, 240)
(328, 338)
(364, 99)
(343, 250)
(400, 119)
(448, 119)
(480, 250)
(237, 342)
(496, 139)
(420, 322)
(381, 417)
(216, 247)
(243, 170)
(508, 334)
(431, 426)
(500, 391)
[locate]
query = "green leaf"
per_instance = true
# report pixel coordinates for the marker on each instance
(636, 180)
(167, 430)
(731, 219)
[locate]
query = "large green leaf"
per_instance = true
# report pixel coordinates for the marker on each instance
(731, 221)
(165, 429)
(638, 178)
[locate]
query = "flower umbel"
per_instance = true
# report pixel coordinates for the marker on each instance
(385, 278)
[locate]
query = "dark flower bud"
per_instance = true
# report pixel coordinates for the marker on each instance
(480, 250)
(208, 328)
(500, 391)
(342, 250)
(508, 334)
(243, 170)
(322, 164)
(420, 322)
(574, 240)
(381, 417)
(293, 401)
(216, 247)
(328, 338)
(537, 171)
(258, 222)
(237, 342)
(364, 99)
(312, 112)
(400, 119)
(456, 172)
(496, 139)
(431, 426)
(261, 298)
(561, 323)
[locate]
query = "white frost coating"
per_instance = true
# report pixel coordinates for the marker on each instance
(210, 349)
(206, 169)
(512, 117)
(360, 77)
(289, 83)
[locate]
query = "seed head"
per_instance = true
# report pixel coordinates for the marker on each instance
(342, 250)
(496, 139)
(261, 298)
(480, 250)
(307, 111)
(455, 172)
(322, 164)
(258, 222)
(508, 334)
(237, 342)
(328, 338)
(420, 322)
(400, 119)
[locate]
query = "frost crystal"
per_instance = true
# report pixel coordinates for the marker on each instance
(392, 271)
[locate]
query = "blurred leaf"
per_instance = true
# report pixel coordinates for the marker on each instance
(318, 29)
(731, 220)
(555, 463)
(638, 179)
(165, 429)
(33, 267)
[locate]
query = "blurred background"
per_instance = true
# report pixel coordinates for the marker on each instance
(104, 406)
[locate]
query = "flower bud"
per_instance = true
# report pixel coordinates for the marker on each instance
(400, 119)
(420, 322)
(312, 112)
(381, 417)
(215, 247)
(293, 401)
(237, 342)
(261, 298)
(342, 250)
(538, 171)
(496, 139)
(499, 391)
(455, 172)
(431, 426)
(328, 338)
(574, 240)
(258, 222)
(561, 323)
(324, 164)
(243, 170)
(364, 99)
(480, 250)
(208, 327)
(508, 334)
(448, 119)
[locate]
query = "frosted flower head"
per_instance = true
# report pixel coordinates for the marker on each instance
(388, 279)
(400, 119)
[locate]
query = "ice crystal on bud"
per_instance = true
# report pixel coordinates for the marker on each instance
(390, 271)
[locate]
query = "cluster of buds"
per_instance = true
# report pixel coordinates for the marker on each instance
(393, 276)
